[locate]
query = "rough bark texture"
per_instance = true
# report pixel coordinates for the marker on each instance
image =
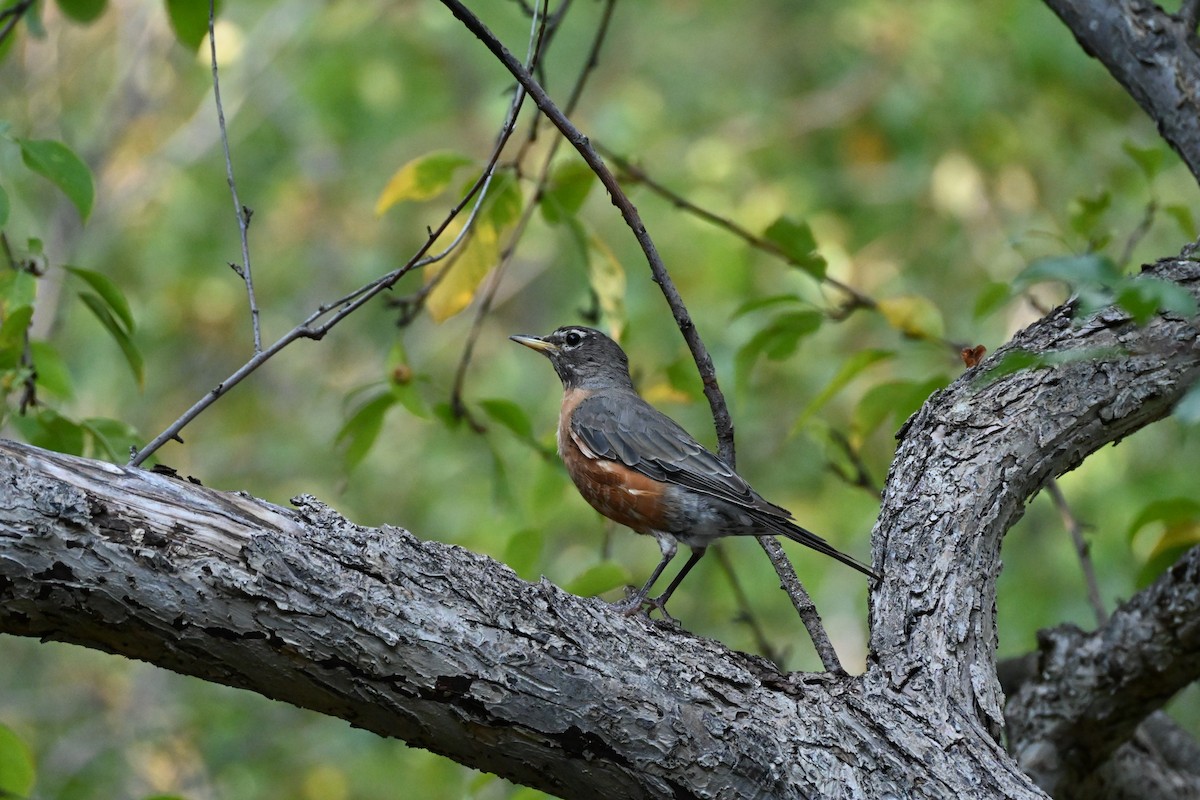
(1149, 650)
(1152, 54)
(451, 651)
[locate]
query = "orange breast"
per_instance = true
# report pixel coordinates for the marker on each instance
(616, 491)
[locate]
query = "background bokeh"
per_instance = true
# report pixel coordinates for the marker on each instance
(935, 148)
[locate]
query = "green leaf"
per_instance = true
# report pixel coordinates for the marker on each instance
(1092, 269)
(52, 373)
(189, 20)
(132, 356)
(796, 241)
(1180, 521)
(1085, 212)
(505, 201)
(12, 333)
(360, 431)
(58, 163)
(779, 339)
(850, 368)
(760, 303)
(1144, 297)
(17, 288)
(895, 400)
(606, 277)
(17, 773)
(913, 315)
(523, 552)
(598, 579)
(48, 429)
(109, 292)
(1183, 218)
(1148, 159)
(1168, 511)
(4, 207)
(992, 297)
(82, 10)
(566, 191)
(511, 416)
(421, 178)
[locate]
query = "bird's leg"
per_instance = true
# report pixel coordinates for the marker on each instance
(633, 602)
(660, 602)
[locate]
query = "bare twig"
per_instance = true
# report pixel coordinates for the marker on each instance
(1074, 527)
(489, 293)
(712, 390)
(860, 477)
(12, 15)
(790, 583)
(1139, 232)
(855, 299)
(333, 313)
(242, 213)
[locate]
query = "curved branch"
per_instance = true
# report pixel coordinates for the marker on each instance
(1149, 52)
(972, 456)
(1093, 690)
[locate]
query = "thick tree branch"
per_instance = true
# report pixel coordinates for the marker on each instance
(1149, 52)
(449, 650)
(972, 456)
(1093, 690)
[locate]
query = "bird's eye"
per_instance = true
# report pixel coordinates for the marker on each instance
(572, 338)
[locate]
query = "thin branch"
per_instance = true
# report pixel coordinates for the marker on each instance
(242, 213)
(804, 605)
(1073, 526)
(489, 294)
(339, 309)
(12, 15)
(712, 391)
(855, 299)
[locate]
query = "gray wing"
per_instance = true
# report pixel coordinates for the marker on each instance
(627, 429)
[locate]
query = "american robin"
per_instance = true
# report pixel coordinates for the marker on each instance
(637, 466)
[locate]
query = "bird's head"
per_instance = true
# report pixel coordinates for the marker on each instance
(583, 357)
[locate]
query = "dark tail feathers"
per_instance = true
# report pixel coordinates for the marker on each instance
(810, 539)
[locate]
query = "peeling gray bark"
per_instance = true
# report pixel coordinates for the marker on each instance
(450, 651)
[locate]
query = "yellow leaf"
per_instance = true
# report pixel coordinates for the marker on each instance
(471, 263)
(913, 315)
(607, 279)
(420, 179)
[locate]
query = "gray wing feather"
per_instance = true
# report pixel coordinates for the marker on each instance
(629, 430)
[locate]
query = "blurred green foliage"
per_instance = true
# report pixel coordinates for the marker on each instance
(956, 164)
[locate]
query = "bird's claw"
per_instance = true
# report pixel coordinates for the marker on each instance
(636, 602)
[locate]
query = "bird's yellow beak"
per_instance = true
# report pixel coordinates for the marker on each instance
(534, 343)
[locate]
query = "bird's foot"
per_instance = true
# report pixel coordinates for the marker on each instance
(631, 604)
(637, 602)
